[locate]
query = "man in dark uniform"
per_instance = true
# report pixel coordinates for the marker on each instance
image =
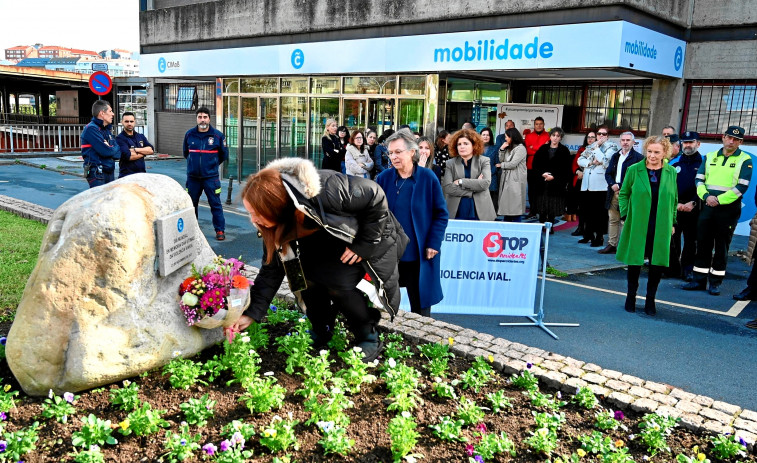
(99, 149)
(134, 147)
(721, 181)
(204, 150)
(687, 165)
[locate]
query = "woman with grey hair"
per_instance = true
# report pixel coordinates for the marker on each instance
(415, 197)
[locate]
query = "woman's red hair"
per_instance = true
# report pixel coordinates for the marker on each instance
(266, 195)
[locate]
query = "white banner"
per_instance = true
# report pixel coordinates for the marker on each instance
(489, 268)
(523, 116)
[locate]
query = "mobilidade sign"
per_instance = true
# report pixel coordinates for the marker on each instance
(623, 46)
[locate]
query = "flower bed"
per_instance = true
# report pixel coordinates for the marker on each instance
(268, 397)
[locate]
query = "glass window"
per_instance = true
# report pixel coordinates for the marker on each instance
(354, 114)
(619, 106)
(371, 85)
(260, 85)
(185, 98)
(293, 126)
(230, 85)
(321, 109)
(460, 90)
(231, 130)
(290, 85)
(413, 85)
(176, 100)
(712, 107)
(324, 85)
(411, 113)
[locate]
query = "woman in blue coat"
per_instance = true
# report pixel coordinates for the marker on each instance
(415, 197)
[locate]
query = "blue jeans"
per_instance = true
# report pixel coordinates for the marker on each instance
(96, 177)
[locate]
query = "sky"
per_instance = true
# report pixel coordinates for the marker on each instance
(70, 24)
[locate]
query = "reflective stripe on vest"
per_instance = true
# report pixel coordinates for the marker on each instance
(723, 176)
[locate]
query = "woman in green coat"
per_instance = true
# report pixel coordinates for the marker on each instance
(647, 202)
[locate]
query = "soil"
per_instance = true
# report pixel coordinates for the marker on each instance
(369, 420)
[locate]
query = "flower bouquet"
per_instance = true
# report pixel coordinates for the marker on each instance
(216, 295)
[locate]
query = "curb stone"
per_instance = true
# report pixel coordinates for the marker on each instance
(696, 412)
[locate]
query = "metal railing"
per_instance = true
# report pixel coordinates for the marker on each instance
(47, 138)
(20, 118)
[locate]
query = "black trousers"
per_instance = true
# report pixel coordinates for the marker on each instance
(715, 231)
(324, 303)
(531, 179)
(595, 214)
(653, 281)
(682, 260)
(410, 273)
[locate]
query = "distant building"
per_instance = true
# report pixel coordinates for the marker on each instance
(116, 53)
(62, 64)
(114, 67)
(33, 62)
(20, 52)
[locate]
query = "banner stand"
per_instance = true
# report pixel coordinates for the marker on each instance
(539, 320)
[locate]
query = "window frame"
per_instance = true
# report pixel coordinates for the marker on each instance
(719, 84)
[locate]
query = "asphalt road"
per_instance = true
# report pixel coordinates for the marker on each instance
(696, 342)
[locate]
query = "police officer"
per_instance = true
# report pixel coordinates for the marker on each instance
(98, 146)
(721, 180)
(687, 165)
(134, 147)
(205, 150)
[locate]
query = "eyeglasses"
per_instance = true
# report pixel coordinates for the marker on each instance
(397, 153)
(358, 138)
(602, 134)
(591, 136)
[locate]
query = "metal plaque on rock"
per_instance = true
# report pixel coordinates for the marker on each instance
(177, 240)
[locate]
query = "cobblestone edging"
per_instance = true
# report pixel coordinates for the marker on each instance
(697, 412)
(26, 209)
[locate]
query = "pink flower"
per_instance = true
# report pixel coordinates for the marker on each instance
(469, 450)
(225, 445)
(209, 449)
(481, 427)
(619, 415)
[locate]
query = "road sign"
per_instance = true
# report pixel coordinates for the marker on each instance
(99, 66)
(100, 83)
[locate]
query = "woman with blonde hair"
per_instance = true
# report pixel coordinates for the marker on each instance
(331, 147)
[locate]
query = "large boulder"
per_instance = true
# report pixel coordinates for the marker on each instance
(95, 309)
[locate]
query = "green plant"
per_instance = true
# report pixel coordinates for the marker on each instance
(544, 400)
(279, 435)
(232, 450)
(491, 444)
(184, 373)
(197, 411)
(338, 340)
(542, 440)
(263, 395)
(469, 412)
(127, 397)
(242, 359)
(727, 446)
(498, 401)
(605, 420)
(595, 443)
(698, 457)
(247, 430)
(144, 421)
(525, 380)
(477, 375)
(395, 347)
(21, 241)
(403, 435)
(329, 409)
(356, 372)
(316, 375)
(296, 345)
(59, 407)
(334, 440)
(443, 390)
(7, 401)
(277, 313)
(20, 442)
(438, 356)
(555, 272)
(655, 430)
(402, 382)
(257, 335)
(180, 446)
(449, 429)
(553, 421)
(585, 398)
(93, 431)
(93, 455)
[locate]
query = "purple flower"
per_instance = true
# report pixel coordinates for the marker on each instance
(559, 395)
(225, 445)
(69, 397)
(481, 427)
(273, 308)
(3, 416)
(209, 449)
(183, 442)
(529, 365)
(3, 340)
(237, 437)
(619, 415)
(3, 446)
(479, 459)
(742, 441)
(469, 450)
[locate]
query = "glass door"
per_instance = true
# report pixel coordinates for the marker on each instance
(354, 114)
(250, 124)
(321, 109)
(231, 130)
(381, 114)
(269, 123)
(411, 113)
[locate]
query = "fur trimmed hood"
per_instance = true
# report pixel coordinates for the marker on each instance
(301, 173)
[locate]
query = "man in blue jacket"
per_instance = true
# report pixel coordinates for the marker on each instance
(99, 149)
(134, 147)
(689, 205)
(204, 150)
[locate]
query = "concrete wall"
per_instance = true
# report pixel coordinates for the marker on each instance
(235, 19)
(170, 129)
(721, 60)
(158, 4)
(725, 13)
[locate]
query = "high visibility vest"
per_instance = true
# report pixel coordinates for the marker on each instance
(722, 174)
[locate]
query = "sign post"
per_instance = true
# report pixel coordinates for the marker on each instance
(100, 83)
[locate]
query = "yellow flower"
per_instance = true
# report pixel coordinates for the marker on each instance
(125, 424)
(491, 359)
(701, 456)
(451, 341)
(269, 433)
(7, 387)
(581, 453)
(619, 443)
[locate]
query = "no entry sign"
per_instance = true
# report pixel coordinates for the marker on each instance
(100, 83)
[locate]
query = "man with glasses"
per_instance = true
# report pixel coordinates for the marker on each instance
(134, 147)
(614, 175)
(721, 181)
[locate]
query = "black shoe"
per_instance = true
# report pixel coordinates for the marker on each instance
(609, 249)
(745, 295)
(693, 286)
(584, 240)
(630, 303)
(752, 324)
(688, 276)
(597, 244)
(650, 308)
(369, 342)
(577, 232)
(714, 290)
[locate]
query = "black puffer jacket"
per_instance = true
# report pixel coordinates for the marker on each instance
(352, 209)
